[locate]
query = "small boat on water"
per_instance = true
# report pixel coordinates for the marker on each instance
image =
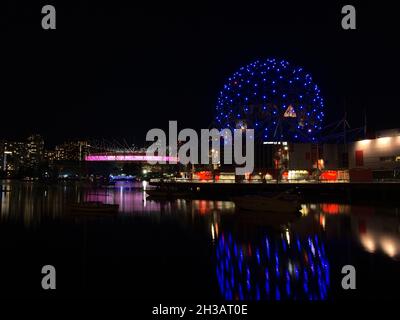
(166, 193)
(95, 207)
(278, 203)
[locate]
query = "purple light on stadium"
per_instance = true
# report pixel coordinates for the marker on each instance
(141, 158)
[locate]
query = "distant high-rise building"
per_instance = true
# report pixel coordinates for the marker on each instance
(35, 150)
(71, 151)
(17, 157)
(12, 155)
(59, 153)
(50, 155)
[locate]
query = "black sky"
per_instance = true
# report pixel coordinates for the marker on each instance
(116, 71)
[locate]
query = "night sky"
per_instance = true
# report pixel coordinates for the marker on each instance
(116, 71)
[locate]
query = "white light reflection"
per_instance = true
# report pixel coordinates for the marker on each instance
(212, 231)
(368, 243)
(287, 234)
(389, 247)
(304, 210)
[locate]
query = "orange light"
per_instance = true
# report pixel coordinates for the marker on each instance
(330, 175)
(322, 221)
(203, 207)
(330, 208)
(205, 175)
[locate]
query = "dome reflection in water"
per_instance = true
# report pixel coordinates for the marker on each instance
(272, 268)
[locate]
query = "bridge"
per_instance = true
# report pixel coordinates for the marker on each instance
(129, 157)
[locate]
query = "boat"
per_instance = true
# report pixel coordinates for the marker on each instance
(276, 203)
(166, 193)
(94, 207)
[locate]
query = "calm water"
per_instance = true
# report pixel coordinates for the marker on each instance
(191, 249)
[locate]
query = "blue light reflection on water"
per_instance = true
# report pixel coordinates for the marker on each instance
(298, 272)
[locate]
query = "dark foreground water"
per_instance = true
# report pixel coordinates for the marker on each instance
(191, 250)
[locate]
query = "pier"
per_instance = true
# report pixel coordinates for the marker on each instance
(344, 192)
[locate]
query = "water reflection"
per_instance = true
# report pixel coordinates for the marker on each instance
(378, 234)
(272, 268)
(376, 229)
(254, 259)
(29, 203)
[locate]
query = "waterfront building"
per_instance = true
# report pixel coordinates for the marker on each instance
(358, 160)
(380, 154)
(361, 160)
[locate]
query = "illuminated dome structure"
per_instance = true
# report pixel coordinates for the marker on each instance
(279, 101)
